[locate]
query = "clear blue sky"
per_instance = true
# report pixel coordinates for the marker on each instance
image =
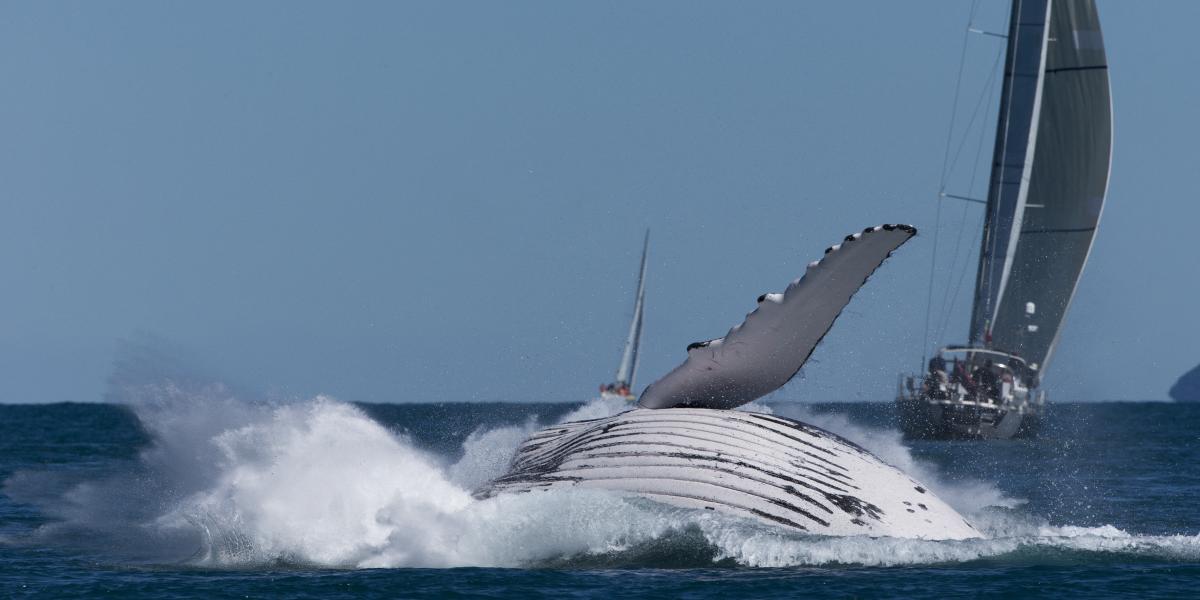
(445, 201)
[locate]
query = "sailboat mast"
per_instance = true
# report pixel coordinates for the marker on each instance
(629, 357)
(1012, 159)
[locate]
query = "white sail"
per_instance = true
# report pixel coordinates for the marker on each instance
(629, 356)
(768, 349)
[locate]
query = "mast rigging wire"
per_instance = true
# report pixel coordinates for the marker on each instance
(950, 299)
(962, 59)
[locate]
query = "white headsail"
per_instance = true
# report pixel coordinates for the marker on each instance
(768, 349)
(629, 356)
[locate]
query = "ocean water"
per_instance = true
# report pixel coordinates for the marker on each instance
(199, 494)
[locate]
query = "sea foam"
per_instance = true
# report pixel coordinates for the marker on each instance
(318, 482)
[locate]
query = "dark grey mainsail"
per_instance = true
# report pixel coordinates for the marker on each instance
(1067, 186)
(627, 370)
(1012, 160)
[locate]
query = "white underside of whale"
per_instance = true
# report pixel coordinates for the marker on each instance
(762, 467)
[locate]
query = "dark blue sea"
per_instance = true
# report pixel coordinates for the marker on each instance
(197, 494)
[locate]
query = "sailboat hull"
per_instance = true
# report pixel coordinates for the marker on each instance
(615, 396)
(932, 419)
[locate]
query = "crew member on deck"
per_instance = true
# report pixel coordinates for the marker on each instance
(935, 380)
(961, 377)
(988, 383)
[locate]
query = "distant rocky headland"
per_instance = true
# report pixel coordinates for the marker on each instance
(1187, 389)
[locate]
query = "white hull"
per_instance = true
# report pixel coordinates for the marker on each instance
(616, 396)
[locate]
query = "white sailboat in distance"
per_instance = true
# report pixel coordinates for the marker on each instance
(622, 385)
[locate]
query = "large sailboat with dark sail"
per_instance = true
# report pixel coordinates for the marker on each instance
(1048, 183)
(622, 384)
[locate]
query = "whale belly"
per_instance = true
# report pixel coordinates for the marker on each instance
(758, 466)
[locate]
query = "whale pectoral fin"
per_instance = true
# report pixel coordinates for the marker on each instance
(769, 347)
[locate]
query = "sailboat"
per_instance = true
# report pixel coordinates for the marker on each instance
(1049, 179)
(622, 385)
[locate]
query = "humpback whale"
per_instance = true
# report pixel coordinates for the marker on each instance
(684, 446)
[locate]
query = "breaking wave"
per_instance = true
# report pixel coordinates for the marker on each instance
(235, 484)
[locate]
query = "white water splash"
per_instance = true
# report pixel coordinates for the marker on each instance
(319, 483)
(768, 551)
(598, 408)
(488, 452)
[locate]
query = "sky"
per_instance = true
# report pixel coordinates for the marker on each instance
(444, 201)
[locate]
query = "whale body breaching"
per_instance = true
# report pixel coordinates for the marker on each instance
(684, 447)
